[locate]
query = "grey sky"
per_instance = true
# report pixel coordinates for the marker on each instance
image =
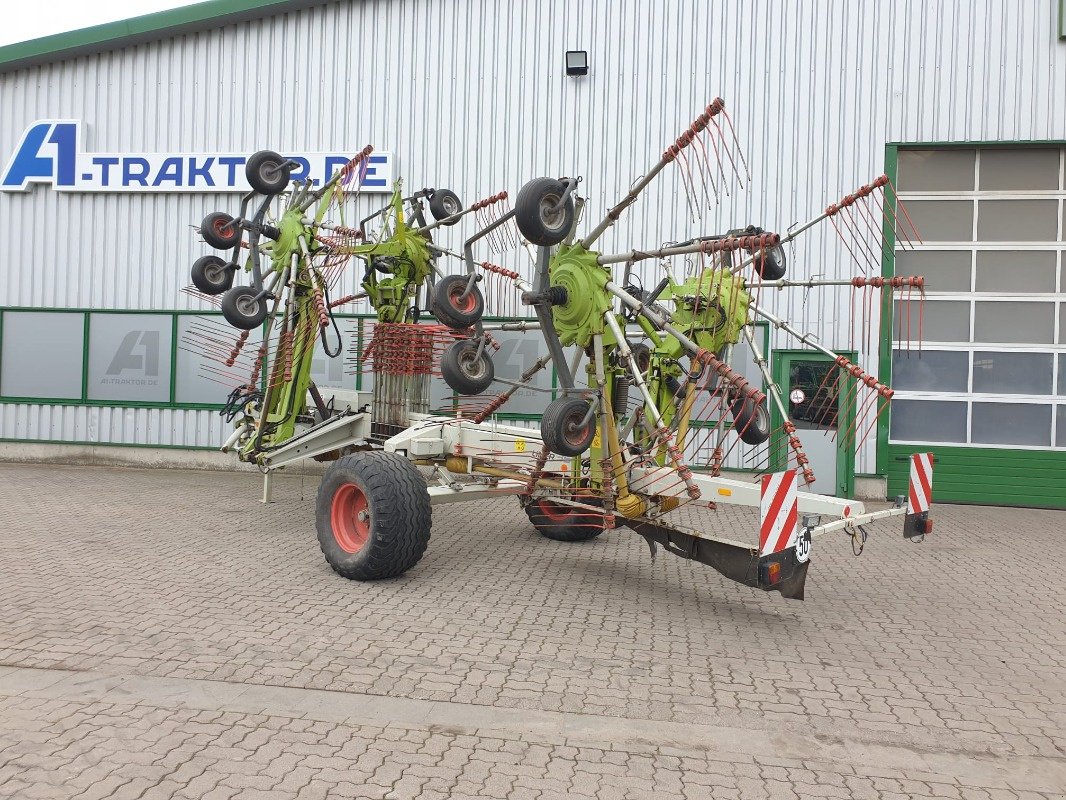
(24, 21)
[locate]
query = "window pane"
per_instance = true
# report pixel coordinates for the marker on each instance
(1060, 426)
(946, 170)
(942, 220)
(933, 371)
(129, 357)
(1062, 374)
(1031, 323)
(941, 320)
(928, 421)
(1017, 220)
(42, 354)
(944, 270)
(1012, 373)
(1011, 423)
(1016, 271)
(1031, 168)
(204, 341)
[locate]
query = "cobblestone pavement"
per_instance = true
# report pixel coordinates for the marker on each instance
(162, 634)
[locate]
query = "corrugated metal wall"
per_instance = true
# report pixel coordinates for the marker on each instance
(472, 94)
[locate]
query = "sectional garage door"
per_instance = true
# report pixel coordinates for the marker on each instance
(988, 392)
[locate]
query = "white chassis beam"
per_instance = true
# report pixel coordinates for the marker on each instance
(431, 437)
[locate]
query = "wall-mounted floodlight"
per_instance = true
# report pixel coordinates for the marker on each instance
(577, 62)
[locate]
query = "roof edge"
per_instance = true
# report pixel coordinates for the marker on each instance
(146, 28)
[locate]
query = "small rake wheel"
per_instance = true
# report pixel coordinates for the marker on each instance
(219, 230)
(444, 203)
(750, 421)
(243, 308)
(211, 275)
(267, 172)
(466, 371)
(565, 427)
(770, 263)
(540, 215)
(454, 306)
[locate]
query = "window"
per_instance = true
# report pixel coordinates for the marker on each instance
(992, 371)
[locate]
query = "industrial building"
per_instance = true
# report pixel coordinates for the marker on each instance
(118, 139)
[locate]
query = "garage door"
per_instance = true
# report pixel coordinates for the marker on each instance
(987, 392)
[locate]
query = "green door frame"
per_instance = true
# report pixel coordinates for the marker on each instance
(781, 366)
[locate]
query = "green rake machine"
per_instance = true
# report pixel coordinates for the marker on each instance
(641, 442)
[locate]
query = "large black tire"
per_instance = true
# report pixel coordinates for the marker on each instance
(211, 275)
(536, 214)
(563, 427)
(218, 230)
(564, 523)
(451, 308)
(464, 370)
(373, 516)
(241, 308)
(444, 203)
(267, 172)
(770, 263)
(751, 422)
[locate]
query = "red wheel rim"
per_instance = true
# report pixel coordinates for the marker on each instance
(460, 303)
(575, 434)
(554, 512)
(350, 518)
(223, 228)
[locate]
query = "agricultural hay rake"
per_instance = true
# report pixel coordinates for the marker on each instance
(643, 440)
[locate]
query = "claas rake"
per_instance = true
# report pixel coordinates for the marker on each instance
(650, 403)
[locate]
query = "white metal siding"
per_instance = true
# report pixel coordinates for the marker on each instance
(471, 94)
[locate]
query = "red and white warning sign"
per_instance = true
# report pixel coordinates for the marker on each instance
(920, 490)
(779, 512)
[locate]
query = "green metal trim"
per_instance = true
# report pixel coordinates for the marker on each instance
(782, 361)
(988, 143)
(85, 357)
(109, 444)
(888, 265)
(61, 401)
(173, 360)
(142, 29)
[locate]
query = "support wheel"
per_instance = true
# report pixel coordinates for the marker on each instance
(565, 428)
(464, 370)
(538, 214)
(267, 172)
(211, 275)
(750, 421)
(219, 231)
(564, 523)
(770, 263)
(373, 516)
(444, 203)
(642, 355)
(243, 308)
(451, 307)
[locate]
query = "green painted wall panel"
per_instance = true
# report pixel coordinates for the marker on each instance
(990, 477)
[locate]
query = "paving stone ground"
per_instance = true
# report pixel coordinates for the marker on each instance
(162, 634)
